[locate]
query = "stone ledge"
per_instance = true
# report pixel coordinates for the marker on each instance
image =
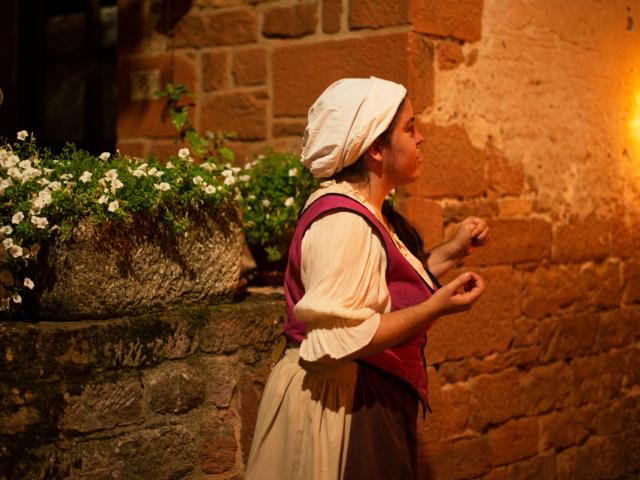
(47, 350)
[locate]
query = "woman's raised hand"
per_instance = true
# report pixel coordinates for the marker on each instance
(459, 294)
(473, 232)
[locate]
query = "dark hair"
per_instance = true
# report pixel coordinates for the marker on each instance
(403, 228)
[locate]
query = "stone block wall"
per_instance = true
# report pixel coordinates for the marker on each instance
(170, 395)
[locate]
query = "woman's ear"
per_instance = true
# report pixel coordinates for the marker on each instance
(375, 151)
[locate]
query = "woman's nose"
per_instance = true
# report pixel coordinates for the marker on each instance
(418, 138)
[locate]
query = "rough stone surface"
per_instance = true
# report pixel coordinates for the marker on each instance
(449, 55)
(215, 70)
(103, 406)
(331, 13)
(243, 113)
(250, 67)
(219, 447)
(174, 389)
(581, 240)
(455, 460)
(457, 18)
(494, 399)
(214, 29)
(487, 328)
(544, 388)
(378, 13)
(515, 440)
(291, 22)
(284, 128)
(426, 216)
(560, 430)
(295, 68)
(99, 275)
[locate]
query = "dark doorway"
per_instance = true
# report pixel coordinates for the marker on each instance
(60, 75)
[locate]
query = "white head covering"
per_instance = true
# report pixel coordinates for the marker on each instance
(345, 120)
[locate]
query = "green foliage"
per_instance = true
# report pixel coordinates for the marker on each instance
(274, 188)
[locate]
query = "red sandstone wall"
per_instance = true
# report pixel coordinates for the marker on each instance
(541, 379)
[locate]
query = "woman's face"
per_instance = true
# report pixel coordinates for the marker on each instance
(401, 161)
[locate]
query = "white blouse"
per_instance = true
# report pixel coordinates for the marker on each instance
(343, 268)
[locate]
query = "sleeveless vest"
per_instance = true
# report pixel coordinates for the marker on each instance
(406, 288)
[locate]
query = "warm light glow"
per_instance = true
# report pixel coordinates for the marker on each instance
(635, 121)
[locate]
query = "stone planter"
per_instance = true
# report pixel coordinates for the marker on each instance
(112, 272)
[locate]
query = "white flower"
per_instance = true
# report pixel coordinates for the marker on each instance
(6, 230)
(208, 166)
(143, 166)
(11, 161)
(162, 186)
(139, 173)
(43, 181)
(266, 202)
(39, 222)
(209, 189)
(229, 181)
(197, 180)
(227, 173)
(44, 196)
(293, 172)
(24, 164)
(152, 171)
(158, 174)
(86, 176)
(113, 206)
(236, 169)
(48, 171)
(103, 199)
(288, 202)
(15, 251)
(183, 153)
(7, 242)
(4, 184)
(244, 178)
(104, 156)
(55, 186)
(66, 176)
(111, 175)
(22, 135)
(15, 173)
(17, 218)
(251, 197)
(54, 228)
(16, 298)
(169, 165)
(115, 185)
(28, 283)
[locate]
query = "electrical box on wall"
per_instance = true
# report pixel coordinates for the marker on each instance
(143, 85)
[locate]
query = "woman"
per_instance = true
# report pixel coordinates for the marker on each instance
(342, 401)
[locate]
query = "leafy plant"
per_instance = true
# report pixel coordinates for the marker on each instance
(45, 194)
(274, 188)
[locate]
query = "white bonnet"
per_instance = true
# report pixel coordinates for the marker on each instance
(345, 120)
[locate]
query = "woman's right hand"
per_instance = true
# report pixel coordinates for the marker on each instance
(459, 294)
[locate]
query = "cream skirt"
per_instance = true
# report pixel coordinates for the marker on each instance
(348, 421)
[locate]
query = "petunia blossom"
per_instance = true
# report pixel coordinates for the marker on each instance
(103, 199)
(209, 189)
(28, 283)
(22, 135)
(162, 186)
(39, 222)
(113, 206)
(183, 153)
(6, 230)
(17, 218)
(104, 156)
(293, 172)
(288, 202)
(16, 298)
(86, 176)
(197, 180)
(15, 251)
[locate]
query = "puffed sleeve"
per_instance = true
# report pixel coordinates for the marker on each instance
(343, 273)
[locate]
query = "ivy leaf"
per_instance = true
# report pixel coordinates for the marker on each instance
(227, 154)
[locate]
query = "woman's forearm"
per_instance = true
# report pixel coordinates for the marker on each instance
(441, 259)
(397, 326)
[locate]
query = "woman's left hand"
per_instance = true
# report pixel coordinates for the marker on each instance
(473, 232)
